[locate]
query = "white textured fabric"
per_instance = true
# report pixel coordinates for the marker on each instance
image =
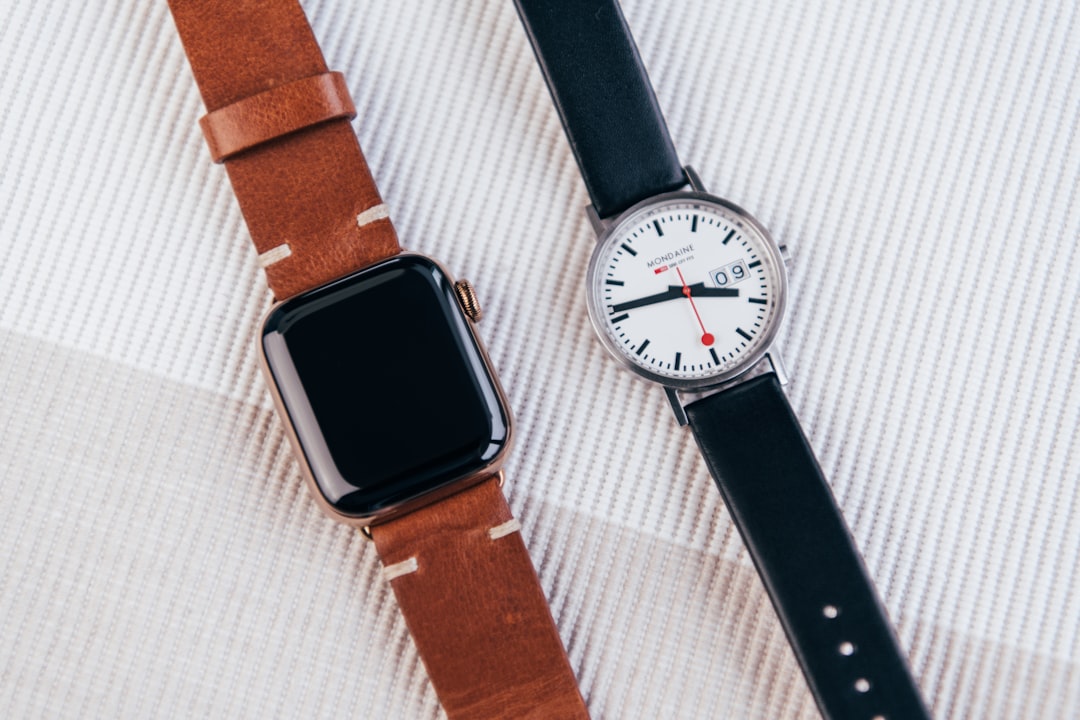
(161, 557)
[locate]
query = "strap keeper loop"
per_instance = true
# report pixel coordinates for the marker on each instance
(275, 112)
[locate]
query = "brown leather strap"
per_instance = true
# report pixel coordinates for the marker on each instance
(276, 112)
(303, 185)
(459, 568)
(474, 606)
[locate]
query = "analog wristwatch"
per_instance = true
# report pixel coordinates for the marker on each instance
(687, 290)
(394, 411)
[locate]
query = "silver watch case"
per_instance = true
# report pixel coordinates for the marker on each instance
(608, 229)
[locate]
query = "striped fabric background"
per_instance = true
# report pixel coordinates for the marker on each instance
(160, 556)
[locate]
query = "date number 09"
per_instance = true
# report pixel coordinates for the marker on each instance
(729, 275)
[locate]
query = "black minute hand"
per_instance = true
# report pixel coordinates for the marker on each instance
(699, 290)
(674, 292)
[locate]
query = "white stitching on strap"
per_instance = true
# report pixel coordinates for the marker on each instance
(279, 253)
(510, 526)
(274, 254)
(372, 214)
(398, 569)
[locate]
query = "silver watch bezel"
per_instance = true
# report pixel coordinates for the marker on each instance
(596, 306)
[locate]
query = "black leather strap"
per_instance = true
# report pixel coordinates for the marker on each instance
(786, 514)
(603, 95)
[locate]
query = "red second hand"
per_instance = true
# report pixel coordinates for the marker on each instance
(706, 337)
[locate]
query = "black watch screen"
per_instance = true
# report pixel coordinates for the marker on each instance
(385, 385)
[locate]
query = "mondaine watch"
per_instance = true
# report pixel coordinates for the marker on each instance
(687, 290)
(396, 416)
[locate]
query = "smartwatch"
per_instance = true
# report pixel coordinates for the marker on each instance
(394, 411)
(687, 290)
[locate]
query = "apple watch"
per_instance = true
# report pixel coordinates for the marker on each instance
(391, 403)
(687, 290)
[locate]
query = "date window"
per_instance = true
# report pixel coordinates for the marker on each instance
(729, 275)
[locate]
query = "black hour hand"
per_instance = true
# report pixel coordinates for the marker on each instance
(674, 292)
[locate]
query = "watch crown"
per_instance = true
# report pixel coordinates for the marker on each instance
(466, 296)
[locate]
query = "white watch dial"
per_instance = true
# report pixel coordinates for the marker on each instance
(687, 289)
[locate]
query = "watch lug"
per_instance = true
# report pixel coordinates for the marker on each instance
(692, 177)
(778, 366)
(679, 399)
(677, 406)
(785, 255)
(599, 224)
